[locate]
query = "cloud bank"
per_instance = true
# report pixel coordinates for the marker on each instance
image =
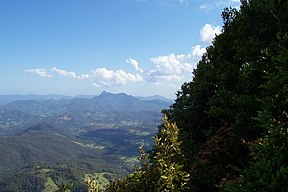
(98, 76)
(135, 64)
(208, 32)
(63, 73)
(39, 72)
(103, 76)
(175, 67)
(170, 70)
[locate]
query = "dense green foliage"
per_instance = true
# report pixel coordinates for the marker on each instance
(268, 171)
(232, 117)
(163, 171)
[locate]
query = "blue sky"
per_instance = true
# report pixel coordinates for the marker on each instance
(83, 47)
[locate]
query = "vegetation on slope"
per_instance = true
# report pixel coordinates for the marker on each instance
(232, 117)
(162, 173)
(71, 138)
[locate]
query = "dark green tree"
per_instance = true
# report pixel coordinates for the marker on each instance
(269, 169)
(217, 110)
(236, 97)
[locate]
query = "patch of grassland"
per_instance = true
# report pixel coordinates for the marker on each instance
(89, 145)
(44, 170)
(139, 133)
(50, 186)
(101, 179)
(131, 160)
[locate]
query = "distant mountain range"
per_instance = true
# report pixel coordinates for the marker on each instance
(86, 133)
(56, 138)
(100, 109)
(51, 105)
(4, 99)
(155, 97)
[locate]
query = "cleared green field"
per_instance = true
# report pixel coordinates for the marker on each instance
(101, 179)
(50, 186)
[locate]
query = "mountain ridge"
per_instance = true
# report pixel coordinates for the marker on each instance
(5, 99)
(101, 134)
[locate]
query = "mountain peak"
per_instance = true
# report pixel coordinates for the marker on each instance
(106, 94)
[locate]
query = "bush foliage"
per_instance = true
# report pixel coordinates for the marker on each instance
(232, 117)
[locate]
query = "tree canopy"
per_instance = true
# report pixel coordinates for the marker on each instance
(232, 116)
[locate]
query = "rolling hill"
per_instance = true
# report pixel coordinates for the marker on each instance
(98, 134)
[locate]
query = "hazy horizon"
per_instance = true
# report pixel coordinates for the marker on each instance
(84, 95)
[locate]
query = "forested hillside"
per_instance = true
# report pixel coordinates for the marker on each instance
(231, 120)
(46, 142)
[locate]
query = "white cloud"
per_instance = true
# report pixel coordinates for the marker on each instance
(198, 51)
(97, 77)
(103, 76)
(167, 70)
(175, 67)
(39, 72)
(135, 64)
(168, 64)
(208, 32)
(83, 76)
(67, 74)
